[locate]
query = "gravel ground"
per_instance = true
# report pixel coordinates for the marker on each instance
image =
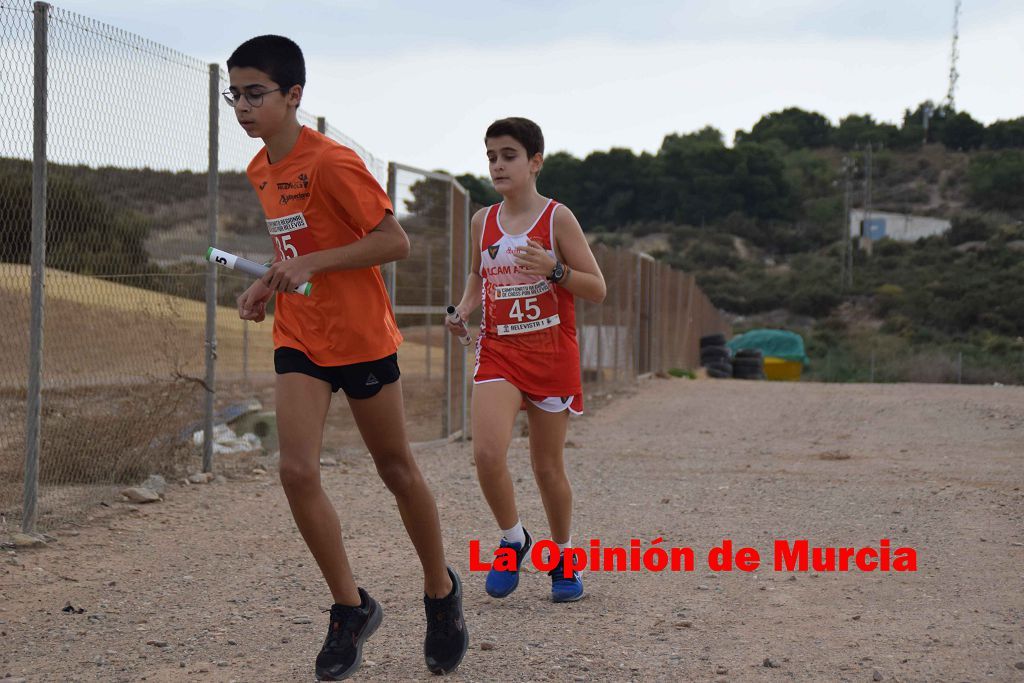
(214, 583)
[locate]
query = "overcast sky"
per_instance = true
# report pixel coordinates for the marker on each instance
(418, 82)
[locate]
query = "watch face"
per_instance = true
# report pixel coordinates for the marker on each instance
(558, 272)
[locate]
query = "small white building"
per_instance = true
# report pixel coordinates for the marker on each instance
(896, 226)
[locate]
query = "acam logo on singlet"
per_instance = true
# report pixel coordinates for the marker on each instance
(492, 250)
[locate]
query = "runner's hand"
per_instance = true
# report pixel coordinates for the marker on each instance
(286, 275)
(534, 260)
(252, 303)
(455, 328)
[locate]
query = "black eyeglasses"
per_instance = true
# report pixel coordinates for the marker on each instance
(255, 99)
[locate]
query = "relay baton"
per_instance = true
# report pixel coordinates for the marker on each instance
(246, 266)
(456, 319)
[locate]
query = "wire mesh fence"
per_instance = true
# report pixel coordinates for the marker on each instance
(128, 219)
(120, 332)
(869, 363)
(107, 142)
(16, 27)
(435, 211)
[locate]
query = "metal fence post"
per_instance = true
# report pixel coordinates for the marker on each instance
(389, 268)
(212, 189)
(639, 316)
(619, 291)
(40, 14)
(467, 239)
(245, 350)
(449, 358)
(321, 125)
(428, 301)
(677, 336)
(600, 327)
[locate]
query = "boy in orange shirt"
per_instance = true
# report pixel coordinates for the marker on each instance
(332, 225)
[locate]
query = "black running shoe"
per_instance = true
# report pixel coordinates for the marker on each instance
(342, 652)
(447, 637)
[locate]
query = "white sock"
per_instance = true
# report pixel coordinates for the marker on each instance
(515, 534)
(563, 546)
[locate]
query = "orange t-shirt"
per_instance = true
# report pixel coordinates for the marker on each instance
(320, 196)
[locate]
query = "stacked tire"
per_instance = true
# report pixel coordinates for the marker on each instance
(714, 356)
(748, 364)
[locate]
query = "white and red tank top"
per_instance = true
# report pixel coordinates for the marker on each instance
(529, 323)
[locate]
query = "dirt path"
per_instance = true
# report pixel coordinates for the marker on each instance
(218, 580)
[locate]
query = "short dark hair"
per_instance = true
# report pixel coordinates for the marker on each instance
(277, 56)
(524, 131)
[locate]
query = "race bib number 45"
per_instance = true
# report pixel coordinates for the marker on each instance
(525, 308)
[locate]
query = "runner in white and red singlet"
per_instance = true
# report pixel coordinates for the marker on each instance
(530, 258)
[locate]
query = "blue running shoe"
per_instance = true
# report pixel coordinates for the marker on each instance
(501, 582)
(563, 589)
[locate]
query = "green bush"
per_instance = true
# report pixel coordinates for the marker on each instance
(970, 228)
(84, 234)
(995, 180)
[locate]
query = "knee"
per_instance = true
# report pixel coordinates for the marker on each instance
(549, 473)
(488, 458)
(400, 476)
(298, 477)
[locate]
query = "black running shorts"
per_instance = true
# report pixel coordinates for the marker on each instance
(359, 380)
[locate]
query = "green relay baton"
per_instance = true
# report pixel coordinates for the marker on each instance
(228, 260)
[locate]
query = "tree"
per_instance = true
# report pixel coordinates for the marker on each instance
(1003, 134)
(961, 132)
(84, 234)
(793, 126)
(912, 132)
(562, 177)
(430, 198)
(969, 228)
(481, 191)
(858, 131)
(995, 180)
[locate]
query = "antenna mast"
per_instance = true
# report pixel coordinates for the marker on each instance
(954, 55)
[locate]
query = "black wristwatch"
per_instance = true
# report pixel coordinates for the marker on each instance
(558, 272)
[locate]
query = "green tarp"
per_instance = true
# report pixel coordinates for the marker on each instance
(778, 343)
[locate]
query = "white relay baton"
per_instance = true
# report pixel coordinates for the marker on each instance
(455, 318)
(246, 266)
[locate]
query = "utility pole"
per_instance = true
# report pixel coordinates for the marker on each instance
(867, 200)
(846, 251)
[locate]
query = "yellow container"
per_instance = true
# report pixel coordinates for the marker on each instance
(780, 369)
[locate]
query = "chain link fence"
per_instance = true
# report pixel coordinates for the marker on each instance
(123, 335)
(435, 211)
(134, 318)
(881, 363)
(16, 41)
(122, 344)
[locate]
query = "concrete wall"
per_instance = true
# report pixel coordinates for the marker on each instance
(897, 226)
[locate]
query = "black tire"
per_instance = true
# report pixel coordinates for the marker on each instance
(717, 373)
(711, 352)
(712, 340)
(719, 369)
(755, 363)
(745, 373)
(749, 353)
